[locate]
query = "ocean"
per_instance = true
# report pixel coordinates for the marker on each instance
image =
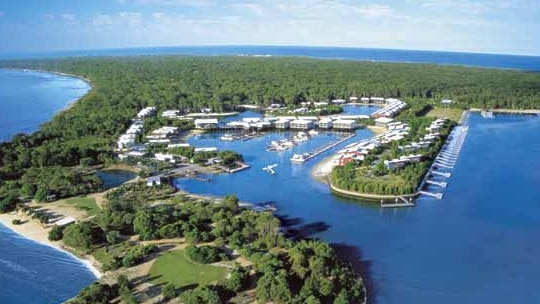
(31, 272)
(476, 245)
(530, 63)
(28, 99)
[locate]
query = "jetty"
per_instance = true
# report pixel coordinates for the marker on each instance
(400, 202)
(445, 160)
(310, 155)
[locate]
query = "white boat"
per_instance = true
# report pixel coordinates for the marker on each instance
(300, 158)
(288, 143)
(227, 137)
(313, 132)
(487, 114)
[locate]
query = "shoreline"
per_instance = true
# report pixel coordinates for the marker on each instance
(70, 104)
(33, 231)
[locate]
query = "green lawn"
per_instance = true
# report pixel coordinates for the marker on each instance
(87, 204)
(453, 114)
(175, 268)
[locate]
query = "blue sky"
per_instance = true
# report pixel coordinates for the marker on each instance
(496, 26)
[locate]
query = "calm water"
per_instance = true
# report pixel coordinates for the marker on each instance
(364, 54)
(477, 245)
(31, 272)
(28, 99)
(114, 178)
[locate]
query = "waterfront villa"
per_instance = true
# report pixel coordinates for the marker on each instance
(325, 123)
(301, 124)
(206, 123)
(345, 124)
(383, 121)
(282, 123)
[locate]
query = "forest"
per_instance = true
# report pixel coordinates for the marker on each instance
(280, 270)
(121, 86)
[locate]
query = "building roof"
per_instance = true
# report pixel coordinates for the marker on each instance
(384, 120)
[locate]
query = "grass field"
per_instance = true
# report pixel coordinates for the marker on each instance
(87, 204)
(453, 114)
(175, 268)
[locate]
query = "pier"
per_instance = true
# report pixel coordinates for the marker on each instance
(445, 160)
(437, 195)
(440, 184)
(399, 203)
(327, 147)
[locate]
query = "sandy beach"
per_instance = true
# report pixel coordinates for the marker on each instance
(33, 230)
(322, 169)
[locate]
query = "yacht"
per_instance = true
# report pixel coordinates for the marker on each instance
(300, 158)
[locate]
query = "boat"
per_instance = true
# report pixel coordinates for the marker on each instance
(228, 137)
(300, 158)
(487, 114)
(313, 132)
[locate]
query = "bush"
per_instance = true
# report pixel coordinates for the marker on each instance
(16, 222)
(204, 254)
(56, 233)
(113, 237)
(169, 291)
(136, 254)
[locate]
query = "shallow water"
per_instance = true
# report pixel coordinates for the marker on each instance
(477, 245)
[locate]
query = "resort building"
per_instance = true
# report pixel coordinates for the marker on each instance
(402, 161)
(447, 102)
(383, 121)
(170, 114)
(376, 99)
(209, 123)
(162, 133)
(301, 124)
(364, 99)
(339, 101)
(153, 181)
(325, 123)
(353, 99)
(345, 124)
(206, 149)
(392, 107)
(283, 124)
(165, 157)
(146, 112)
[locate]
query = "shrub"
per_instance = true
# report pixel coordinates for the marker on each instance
(56, 233)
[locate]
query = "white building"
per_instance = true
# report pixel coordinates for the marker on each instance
(170, 113)
(325, 123)
(345, 124)
(146, 112)
(383, 121)
(301, 124)
(208, 123)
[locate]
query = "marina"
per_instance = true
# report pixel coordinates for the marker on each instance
(301, 158)
(437, 175)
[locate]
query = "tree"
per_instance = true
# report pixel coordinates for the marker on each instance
(79, 235)
(113, 237)
(56, 233)
(169, 291)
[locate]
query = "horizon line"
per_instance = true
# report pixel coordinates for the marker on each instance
(59, 51)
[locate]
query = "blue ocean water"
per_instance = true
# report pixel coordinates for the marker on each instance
(31, 272)
(477, 245)
(28, 99)
(531, 63)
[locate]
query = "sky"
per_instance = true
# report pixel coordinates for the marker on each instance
(494, 26)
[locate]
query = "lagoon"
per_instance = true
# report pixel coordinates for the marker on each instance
(476, 245)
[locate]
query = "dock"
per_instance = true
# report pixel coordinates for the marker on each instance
(437, 195)
(399, 203)
(445, 160)
(327, 147)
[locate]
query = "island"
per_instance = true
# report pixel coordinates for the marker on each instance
(152, 241)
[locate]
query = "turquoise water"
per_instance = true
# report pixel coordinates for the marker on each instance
(28, 99)
(479, 244)
(31, 272)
